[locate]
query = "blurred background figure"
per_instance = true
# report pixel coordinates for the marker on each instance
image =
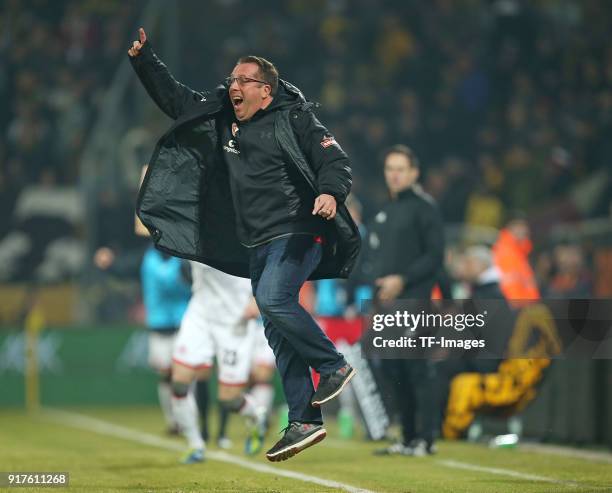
(406, 250)
(476, 269)
(481, 274)
(217, 329)
(166, 294)
(511, 256)
(569, 275)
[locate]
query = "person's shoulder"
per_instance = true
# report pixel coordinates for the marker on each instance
(425, 200)
(303, 119)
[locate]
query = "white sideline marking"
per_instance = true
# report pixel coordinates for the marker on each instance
(502, 472)
(101, 427)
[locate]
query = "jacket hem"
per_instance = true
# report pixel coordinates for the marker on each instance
(263, 242)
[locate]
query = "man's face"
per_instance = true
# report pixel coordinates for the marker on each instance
(399, 174)
(249, 96)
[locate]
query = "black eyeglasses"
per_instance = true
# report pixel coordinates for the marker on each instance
(242, 80)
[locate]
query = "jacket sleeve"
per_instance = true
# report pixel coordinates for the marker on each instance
(431, 232)
(172, 97)
(325, 156)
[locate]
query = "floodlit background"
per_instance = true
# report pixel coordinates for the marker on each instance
(508, 104)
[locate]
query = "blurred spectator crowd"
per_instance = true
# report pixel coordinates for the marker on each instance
(56, 61)
(508, 103)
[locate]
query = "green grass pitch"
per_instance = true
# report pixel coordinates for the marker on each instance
(104, 457)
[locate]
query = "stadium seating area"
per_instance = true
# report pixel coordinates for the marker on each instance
(509, 105)
(511, 100)
(50, 91)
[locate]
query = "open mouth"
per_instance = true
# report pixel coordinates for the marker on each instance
(237, 101)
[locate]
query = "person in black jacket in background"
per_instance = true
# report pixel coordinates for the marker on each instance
(257, 136)
(406, 250)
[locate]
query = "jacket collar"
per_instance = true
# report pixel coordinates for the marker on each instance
(407, 192)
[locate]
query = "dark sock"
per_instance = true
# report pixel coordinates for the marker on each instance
(224, 415)
(202, 400)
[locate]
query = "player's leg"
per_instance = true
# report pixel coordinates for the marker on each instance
(262, 388)
(223, 441)
(164, 394)
(186, 411)
(191, 360)
(234, 355)
(263, 368)
(202, 399)
(234, 399)
(262, 393)
(160, 359)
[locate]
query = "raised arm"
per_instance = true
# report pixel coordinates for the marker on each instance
(172, 97)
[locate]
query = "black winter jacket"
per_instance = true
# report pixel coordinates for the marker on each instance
(271, 198)
(407, 238)
(185, 199)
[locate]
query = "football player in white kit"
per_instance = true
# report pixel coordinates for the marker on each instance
(218, 324)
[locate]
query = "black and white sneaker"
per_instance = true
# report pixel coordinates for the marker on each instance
(297, 437)
(331, 385)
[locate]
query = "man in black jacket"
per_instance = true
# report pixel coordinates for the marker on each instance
(247, 180)
(406, 250)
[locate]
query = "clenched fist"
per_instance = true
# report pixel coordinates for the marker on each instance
(137, 45)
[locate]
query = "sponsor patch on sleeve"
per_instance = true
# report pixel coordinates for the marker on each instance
(327, 141)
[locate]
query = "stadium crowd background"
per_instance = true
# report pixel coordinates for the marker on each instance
(508, 104)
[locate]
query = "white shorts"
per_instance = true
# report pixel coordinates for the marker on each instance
(262, 352)
(161, 345)
(200, 341)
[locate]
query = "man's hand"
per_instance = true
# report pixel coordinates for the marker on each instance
(390, 287)
(325, 206)
(137, 45)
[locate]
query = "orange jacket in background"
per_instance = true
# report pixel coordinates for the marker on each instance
(510, 255)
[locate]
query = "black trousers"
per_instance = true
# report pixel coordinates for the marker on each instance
(412, 384)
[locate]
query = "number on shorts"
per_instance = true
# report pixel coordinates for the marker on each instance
(229, 357)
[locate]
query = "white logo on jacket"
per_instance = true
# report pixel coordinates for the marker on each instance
(381, 217)
(374, 241)
(231, 147)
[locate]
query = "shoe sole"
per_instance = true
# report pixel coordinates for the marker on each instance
(340, 389)
(294, 449)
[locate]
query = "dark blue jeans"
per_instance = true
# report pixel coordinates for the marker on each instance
(278, 271)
